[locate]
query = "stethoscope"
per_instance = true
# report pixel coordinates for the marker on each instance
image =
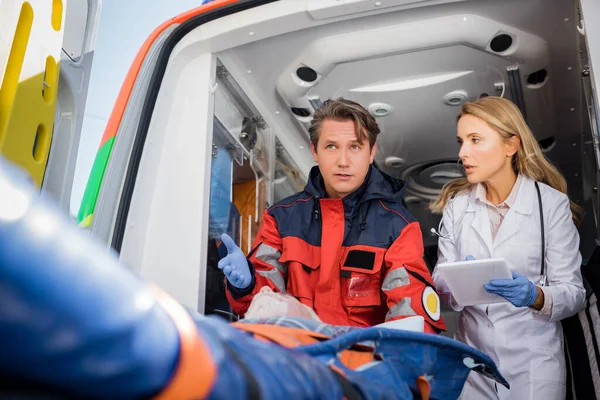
(448, 234)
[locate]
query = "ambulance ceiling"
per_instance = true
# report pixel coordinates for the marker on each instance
(413, 67)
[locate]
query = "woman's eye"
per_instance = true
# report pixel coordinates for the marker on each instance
(476, 140)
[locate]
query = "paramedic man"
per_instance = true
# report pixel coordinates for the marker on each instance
(344, 246)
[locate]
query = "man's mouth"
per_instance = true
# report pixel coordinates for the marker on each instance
(343, 176)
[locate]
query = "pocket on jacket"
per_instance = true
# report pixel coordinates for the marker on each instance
(360, 276)
(472, 247)
(548, 365)
(303, 271)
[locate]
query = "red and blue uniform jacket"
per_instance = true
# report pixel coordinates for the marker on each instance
(356, 261)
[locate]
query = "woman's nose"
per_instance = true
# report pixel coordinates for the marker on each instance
(463, 152)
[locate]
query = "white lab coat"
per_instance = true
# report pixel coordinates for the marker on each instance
(526, 346)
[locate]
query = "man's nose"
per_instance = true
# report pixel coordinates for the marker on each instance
(343, 159)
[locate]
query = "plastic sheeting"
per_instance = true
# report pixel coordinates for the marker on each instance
(70, 316)
(220, 194)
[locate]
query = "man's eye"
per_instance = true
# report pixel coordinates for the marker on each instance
(355, 147)
(330, 146)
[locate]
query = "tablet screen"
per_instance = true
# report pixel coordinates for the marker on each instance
(466, 279)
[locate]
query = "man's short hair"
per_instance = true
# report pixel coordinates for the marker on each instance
(345, 110)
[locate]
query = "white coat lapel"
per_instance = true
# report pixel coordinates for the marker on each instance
(508, 228)
(522, 206)
(481, 222)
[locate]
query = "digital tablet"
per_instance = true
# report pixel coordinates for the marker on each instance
(466, 279)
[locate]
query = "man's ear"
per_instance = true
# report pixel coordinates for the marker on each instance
(373, 151)
(512, 146)
(313, 149)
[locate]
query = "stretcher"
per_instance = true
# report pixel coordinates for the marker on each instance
(74, 323)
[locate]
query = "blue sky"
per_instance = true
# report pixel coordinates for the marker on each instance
(124, 25)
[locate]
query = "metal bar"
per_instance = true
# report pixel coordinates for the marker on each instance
(590, 13)
(249, 243)
(315, 102)
(516, 88)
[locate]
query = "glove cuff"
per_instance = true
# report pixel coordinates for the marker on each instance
(533, 295)
(238, 293)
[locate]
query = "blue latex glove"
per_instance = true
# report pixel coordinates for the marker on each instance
(469, 258)
(520, 291)
(234, 265)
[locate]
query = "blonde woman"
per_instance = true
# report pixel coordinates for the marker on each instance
(495, 212)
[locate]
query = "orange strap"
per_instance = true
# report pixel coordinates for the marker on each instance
(355, 358)
(424, 387)
(196, 372)
(283, 335)
(294, 337)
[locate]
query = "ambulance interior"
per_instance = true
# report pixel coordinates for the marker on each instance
(412, 68)
(411, 63)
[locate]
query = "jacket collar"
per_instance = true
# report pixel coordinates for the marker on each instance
(377, 185)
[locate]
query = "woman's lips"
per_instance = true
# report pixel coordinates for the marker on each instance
(469, 168)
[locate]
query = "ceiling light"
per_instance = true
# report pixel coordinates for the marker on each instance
(394, 162)
(455, 98)
(380, 109)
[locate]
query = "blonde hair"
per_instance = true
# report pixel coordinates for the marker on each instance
(505, 118)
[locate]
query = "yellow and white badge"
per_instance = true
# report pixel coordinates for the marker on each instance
(431, 303)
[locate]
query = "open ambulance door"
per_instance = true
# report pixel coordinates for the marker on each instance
(210, 126)
(178, 116)
(46, 53)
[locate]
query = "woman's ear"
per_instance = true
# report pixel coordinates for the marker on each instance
(512, 145)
